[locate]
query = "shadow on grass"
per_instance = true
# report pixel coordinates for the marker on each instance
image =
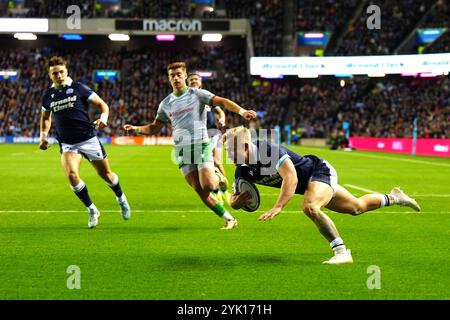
(225, 262)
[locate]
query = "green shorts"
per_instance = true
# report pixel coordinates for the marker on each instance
(196, 154)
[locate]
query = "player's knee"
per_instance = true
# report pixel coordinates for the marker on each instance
(357, 209)
(108, 176)
(209, 186)
(311, 210)
(73, 176)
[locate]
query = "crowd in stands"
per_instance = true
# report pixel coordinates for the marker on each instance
(266, 19)
(56, 8)
(375, 108)
(439, 18)
(384, 107)
(328, 15)
(398, 18)
(265, 16)
(135, 96)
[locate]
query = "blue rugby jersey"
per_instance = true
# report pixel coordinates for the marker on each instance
(210, 117)
(69, 106)
(265, 162)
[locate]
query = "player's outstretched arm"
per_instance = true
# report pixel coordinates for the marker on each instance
(288, 186)
(45, 125)
(149, 129)
(101, 122)
(233, 107)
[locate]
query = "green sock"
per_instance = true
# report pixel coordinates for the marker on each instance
(222, 212)
(219, 210)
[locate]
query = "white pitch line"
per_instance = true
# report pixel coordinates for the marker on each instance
(360, 188)
(399, 159)
(371, 191)
(57, 211)
(192, 211)
(430, 195)
(412, 195)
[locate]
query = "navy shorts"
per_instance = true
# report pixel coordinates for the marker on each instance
(324, 172)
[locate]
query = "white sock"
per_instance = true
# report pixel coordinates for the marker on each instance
(115, 181)
(92, 207)
(227, 216)
(122, 198)
(395, 201)
(338, 246)
(78, 187)
(386, 201)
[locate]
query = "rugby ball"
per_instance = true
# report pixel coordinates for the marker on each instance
(243, 185)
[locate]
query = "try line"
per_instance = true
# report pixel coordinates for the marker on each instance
(413, 194)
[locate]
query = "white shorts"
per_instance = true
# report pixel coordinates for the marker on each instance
(216, 141)
(188, 168)
(91, 149)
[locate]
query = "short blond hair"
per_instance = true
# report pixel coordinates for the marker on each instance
(176, 65)
(240, 134)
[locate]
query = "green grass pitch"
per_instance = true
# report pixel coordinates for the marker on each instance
(173, 248)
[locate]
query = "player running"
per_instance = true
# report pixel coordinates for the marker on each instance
(68, 102)
(273, 165)
(215, 124)
(185, 109)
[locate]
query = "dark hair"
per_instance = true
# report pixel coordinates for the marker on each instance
(176, 65)
(57, 61)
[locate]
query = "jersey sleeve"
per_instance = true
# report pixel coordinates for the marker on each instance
(46, 100)
(204, 96)
(269, 153)
(161, 115)
(85, 92)
(282, 156)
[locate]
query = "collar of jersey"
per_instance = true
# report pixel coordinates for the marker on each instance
(182, 93)
(68, 82)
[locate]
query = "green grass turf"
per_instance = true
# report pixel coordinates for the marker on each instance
(172, 247)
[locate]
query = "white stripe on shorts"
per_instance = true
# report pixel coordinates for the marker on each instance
(333, 177)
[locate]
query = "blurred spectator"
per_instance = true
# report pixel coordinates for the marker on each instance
(398, 18)
(383, 107)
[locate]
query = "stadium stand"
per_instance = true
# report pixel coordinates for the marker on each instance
(323, 16)
(383, 107)
(398, 18)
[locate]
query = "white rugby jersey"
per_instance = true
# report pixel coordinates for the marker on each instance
(187, 113)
